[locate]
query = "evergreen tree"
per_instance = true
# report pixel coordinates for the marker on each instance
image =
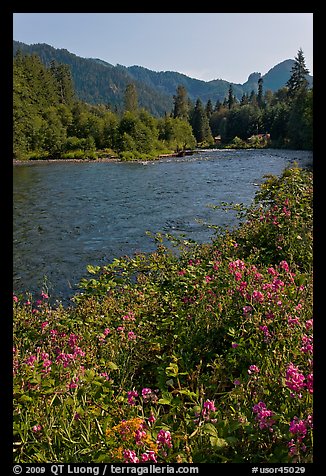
(131, 98)
(260, 98)
(218, 105)
(181, 104)
(244, 99)
(231, 98)
(298, 78)
(200, 124)
(253, 99)
(65, 87)
(299, 126)
(209, 109)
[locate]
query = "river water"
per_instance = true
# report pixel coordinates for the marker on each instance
(68, 215)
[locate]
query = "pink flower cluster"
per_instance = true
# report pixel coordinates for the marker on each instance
(37, 428)
(263, 416)
(295, 380)
(307, 344)
(147, 394)
(41, 356)
(131, 457)
(131, 397)
(299, 429)
(253, 369)
(208, 408)
(163, 439)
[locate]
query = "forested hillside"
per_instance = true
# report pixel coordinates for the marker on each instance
(99, 82)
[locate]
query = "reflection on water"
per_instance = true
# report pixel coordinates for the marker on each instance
(68, 215)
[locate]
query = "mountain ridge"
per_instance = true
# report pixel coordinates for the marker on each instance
(98, 81)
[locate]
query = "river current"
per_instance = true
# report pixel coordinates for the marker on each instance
(68, 215)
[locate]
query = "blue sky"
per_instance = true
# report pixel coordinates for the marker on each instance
(205, 46)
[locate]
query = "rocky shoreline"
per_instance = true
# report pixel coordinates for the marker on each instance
(48, 161)
(100, 159)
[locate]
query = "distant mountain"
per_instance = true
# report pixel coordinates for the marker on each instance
(97, 81)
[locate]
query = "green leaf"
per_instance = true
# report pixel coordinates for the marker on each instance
(112, 366)
(218, 442)
(25, 398)
(172, 370)
(188, 393)
(210, 429)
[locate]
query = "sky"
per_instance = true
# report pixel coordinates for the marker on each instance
(204, 46)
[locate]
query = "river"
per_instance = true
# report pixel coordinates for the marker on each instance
(68, 215)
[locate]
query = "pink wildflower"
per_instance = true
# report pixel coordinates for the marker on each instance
(258, 296)
(246, 310)
(15, 298)
(253, 369)
(309, 324)
(105, 375)
(292, 321)
(151, 418)
(294, 379)
(263, 416)
(31, 360)
(272, 271)
(164, 439)
(73, 384)
(310, 383)
(307, 344)
(131, 395)
(269, 315)
(149, 456)
(146, 393)
(37, 428)
(298, 427)
(130, 316)
(131, 335)
(284, 265)
(209, 405)
(130, 456)
(139, 435)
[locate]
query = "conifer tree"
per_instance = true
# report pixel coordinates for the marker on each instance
(65, 87)
(260, 98)
(231, 99)
(209, 109)
(200, 124)
(181, 104)
(131, 98)
(298, 77)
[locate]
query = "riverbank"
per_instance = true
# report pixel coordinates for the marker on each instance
(103, 159)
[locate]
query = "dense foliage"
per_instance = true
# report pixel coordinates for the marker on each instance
(50, 122)
(204, 355)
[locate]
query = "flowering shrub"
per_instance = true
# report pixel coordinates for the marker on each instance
(205, 355)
